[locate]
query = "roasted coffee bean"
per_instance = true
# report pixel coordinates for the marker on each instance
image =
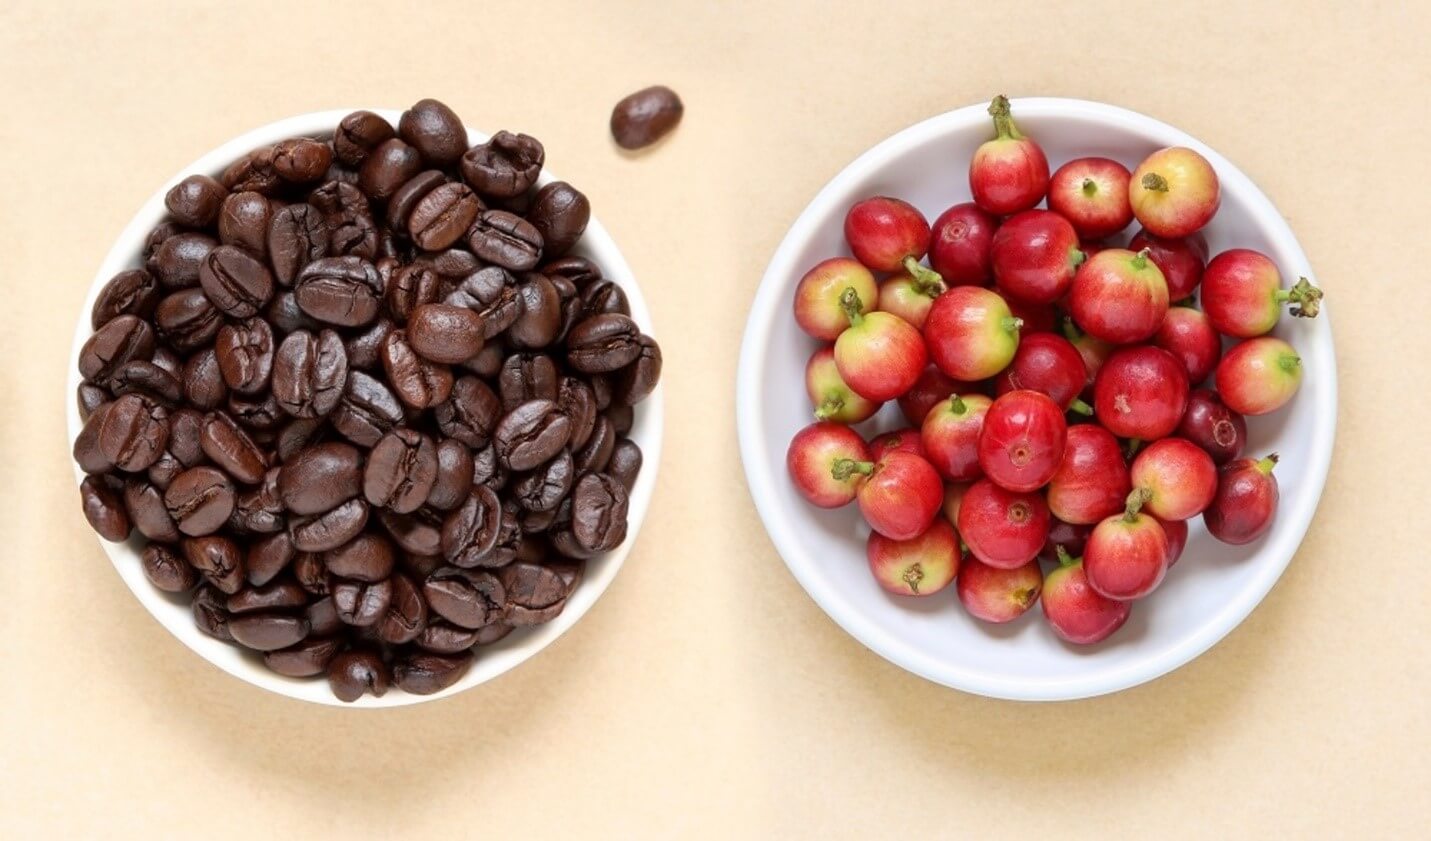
(454, 475)
(387, 168)
(345, 291)
(537, 522)
(645, 116)
(258, 510)
(467, 598)
(470, 532)
(267, 631)
(348, 218)
(217, 559)
(602, 297)
(147, 380)
(167, 570)
(322, 532)
(401, 205)
(134, 433)
(455, 263)
(495, 632)
(442, 216)
(636, 381)
(298, 434)
(598, 512)
(312, 574)
(487, 362)
(367, 410)
(417, 382)
(625, 463)
(203, 381)
(131, 292)
(162, 472)
(470, 413)
(570, 572)
(357, 672)
(531, 434)
(187, 320)
(492, 294)
(446, 638)
(157, 236)
(305, 658)
(362, 603)
(322, 616)
(302, 160)
(400, 471)
(145, 505)
(104, 509)
(576, 401)
(535, 594)
(321, 478)
(245, 355)
(412, 287)
(622, 418)
(90, 397)
(120, 340)
(364, 348)
(570, 306)
(420, 566)
(177, 261)
(425, 674)
(253, 171)
(244, 222)
(445, 333)
(358, 134)
(195, 201)
(367, 557)
(279, 595)
(210, 615)
(560, 213)
(406, 615)
(235, 281)
(267, 557)
(509, 538)
(579, 270)
(259, 414)
(486, 469)
(285, 316)
(418, 533)
(603, 343)
(596, 453)
(186, 428)
(167, 359)
(505, 166)
(231, 448)
(505, 239)
(544, 488)
(309, 373)
(297, 235)
(525, 377)
(541, 317)
(434, 131)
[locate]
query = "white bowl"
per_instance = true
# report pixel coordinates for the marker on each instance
(492, 660)
(1213, 587)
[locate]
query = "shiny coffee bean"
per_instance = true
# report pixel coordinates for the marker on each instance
(145, 506)
(167, 570)
(406, 615)
(349, 220)
(387, 168)
(358, 134)
(230, 447)
(120, 340)
(186, 428)
(368, 557)
(509, 538)
(195, 201)
(470, 533)
(418, 382)
(402, 203)
(560, 213)
(279, 595)
(412, 287)
(237, 283)
(467, 598)
(622, 418)
(420, 566)
(302, 160)
(599, 511)
(445, 333)
(544, 488)
(253, 171)
(312, 575)
(596, 453)
(446, 638)
(400, 471)
(306, 658)
(454, 475)
(267, 631)
(576, 401)
(322, 616)
(492, 294)
(442, 216)
(131, 292)
(602, 297)
(358, 672)
(645, 116)
(186, 320)
(296, 236)
(525, 377)
(603, 343)
(434, 130)
(309, 373)
(321, 532)
(535, 594)
(177, 261)
(363, 349)
(367, 410)
(157, 236)
(455, 263)
(531, 434)
(260, 414)
(104, 509)
(267, 557)
(134, 433)
(423, 673)
(320, 478)
(418, 533)
(298, 434)
(362, 603)
(486, 469)
(579, 270)
(285, 316)
(541, 317)
(505, 166)
(217, 559)
(625, 463)
(244, 222)
(147, 380)
(245, 355)
(203, 380)
(505, 239)
(90, 397)
(210, 615)
(570, 305)
(488, 361)
(636, 381)
(345, 291)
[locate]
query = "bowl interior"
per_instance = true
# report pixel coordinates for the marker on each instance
(492, 660)
(1211, 589)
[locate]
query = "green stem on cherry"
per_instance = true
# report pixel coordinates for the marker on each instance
(844, 468)
(1306, 299)
(1140, 260)
(956, 405)
(1080, 408)
(1003, 119)
(1155, 182)
(912, 577)
(1134, 445)
(1011, 324)
(1289, 362)
(1266, 464)
(1136, 500)
(852, 305)
(927, 281)
(829, 407)
(1090, 187)
(1065, 559)
(1077, 257)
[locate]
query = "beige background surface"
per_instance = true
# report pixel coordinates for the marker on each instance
(705, 695)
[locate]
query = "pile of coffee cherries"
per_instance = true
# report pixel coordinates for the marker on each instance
(1069, 399)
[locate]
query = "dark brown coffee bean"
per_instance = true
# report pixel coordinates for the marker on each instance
(302, 160)
(267, 631)
(120, 340)
(418, 533)
(364, 348)
(131, 292)
(603, 343)
(285, 316)
(470, 413)
(312, 574)
(177, 261)
(576, 401)
(253, 171)
(210, 615)
(104, 509)
(244, 222)
(420, 566)
(345, 291)
(367, 410)
(445, 333)
(86, 450)
(435, 131)
(162, 472)
(426, 674)
(525, 377)
(387, 168)
(322, 616)
(186, 428)
(167, 570)
(454, 475)
(602, 297)
(297, 235)
(258, 510)
(560, 213)
(89, 397)
(406, 615)
(417, 382)
(486, 469)
(400, 471)
(134, 433)
(231, 448)
(355, 673)
(309, 373)
(509, 538)
(570, 306)
(544, 488)
(412, 287)
(488, 361)
(245, 355)
(442, 216)
(537, 522)
(636, 381)
(495, 632)
(470, 532)
(320, 478)
(622, 419)
(203, 381)
(579, 270)
(237, 283)
(599, 511)
(322, 532)
(645, 116)
(298, 434)
(531, 434)
(157, 236)
(401, 205)
(348, 218)
(358, 134)
(267, 557)
(306, 658)
(505, 239)
(445, 638)
(187, 320)
(505, 166)
(596, 453)
(455, 263)
(195, 201)
(147, 380)
(279, 595)
(535, 594)
(145, 505)
(260, 414)
(217, 559)
(492, 294)
(625, 463)
(541, 316)
(368, 557)
(362, 603)
(467, 598)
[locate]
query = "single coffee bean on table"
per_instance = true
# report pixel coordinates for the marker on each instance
(645, 116)
(357, 399)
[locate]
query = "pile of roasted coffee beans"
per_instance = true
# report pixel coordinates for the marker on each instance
(362, 404)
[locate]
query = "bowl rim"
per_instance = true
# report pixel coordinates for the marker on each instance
(768, 303)
(493, 661)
